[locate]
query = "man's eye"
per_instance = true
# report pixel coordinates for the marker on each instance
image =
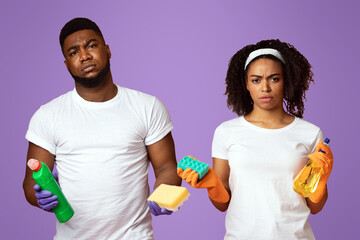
(73, 53)
(275, 79)
(255, 80)
(92, 46)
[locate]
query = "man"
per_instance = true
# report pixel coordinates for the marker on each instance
(100, 136)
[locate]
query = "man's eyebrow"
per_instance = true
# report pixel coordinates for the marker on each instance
(73, 47)
(87, 43)
(258, 76)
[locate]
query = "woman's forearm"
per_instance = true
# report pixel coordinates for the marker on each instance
(317, 207)
(220, 206)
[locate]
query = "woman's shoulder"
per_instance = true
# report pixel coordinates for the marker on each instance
(230, 123)
(230, 126)
(303, 124)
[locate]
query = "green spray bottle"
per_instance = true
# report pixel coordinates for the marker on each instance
(44, 178)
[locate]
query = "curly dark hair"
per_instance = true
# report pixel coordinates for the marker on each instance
(297, 77)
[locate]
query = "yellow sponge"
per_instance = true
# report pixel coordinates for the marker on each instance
(169, 197)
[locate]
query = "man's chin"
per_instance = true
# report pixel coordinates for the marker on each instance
(88, 82)
(91, 82)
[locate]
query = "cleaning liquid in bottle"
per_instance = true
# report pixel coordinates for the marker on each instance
(44, 178)
(307, 180)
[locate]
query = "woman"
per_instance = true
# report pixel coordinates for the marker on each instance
(257, 155)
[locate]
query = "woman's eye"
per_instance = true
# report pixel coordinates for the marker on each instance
(275, 79)
(255, 80)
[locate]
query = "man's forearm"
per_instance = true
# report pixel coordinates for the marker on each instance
(29, 193)
(169, 177)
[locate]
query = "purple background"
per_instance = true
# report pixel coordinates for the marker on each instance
(179, 51)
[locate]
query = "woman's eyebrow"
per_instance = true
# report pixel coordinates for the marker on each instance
(273, 75)
(258, 76)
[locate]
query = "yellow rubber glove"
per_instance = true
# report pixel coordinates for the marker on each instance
(211, 181)
(325, 161)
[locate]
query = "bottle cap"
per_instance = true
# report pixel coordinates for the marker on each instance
(34, 164)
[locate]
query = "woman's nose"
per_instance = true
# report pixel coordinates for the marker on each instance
(265, 87)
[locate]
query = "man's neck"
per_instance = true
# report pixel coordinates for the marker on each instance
(102, 93)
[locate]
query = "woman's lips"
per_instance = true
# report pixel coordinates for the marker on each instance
(88, 67)
(266, 99)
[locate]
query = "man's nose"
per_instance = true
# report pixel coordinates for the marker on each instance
(85, 55)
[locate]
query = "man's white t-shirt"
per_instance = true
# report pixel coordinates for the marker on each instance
(102, 161)
(263, 164)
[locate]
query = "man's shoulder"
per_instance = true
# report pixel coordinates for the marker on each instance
(135, 96)
(57, 102)
(136, 93)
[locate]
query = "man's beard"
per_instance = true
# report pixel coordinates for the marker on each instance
(93, 81)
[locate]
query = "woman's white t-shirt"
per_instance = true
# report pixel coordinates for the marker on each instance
(263, 164)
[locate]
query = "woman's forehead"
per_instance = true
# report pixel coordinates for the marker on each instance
(264, 66)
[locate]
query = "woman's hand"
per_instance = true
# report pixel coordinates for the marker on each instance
(324, 160)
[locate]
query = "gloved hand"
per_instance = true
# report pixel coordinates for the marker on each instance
(325, 161)
(45, 199)
(156, 210)
(211, 181)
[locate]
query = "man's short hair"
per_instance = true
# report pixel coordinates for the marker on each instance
(77, 24)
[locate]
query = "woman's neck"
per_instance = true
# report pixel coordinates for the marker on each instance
(272, 119)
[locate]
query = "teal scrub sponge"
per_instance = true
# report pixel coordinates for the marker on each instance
(191, 162)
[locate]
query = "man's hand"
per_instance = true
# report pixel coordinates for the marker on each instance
(156, 210)
(45, 199)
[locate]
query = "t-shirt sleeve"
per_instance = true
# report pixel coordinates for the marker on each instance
(40, 131)
(159, 124)
(219, 149)
(319, 137)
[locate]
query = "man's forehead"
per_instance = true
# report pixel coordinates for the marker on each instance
(80, 37)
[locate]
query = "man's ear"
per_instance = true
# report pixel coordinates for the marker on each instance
(108, 51)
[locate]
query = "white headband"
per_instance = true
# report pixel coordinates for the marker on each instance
(263, 51)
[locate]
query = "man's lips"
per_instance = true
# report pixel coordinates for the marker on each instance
(88, 67)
